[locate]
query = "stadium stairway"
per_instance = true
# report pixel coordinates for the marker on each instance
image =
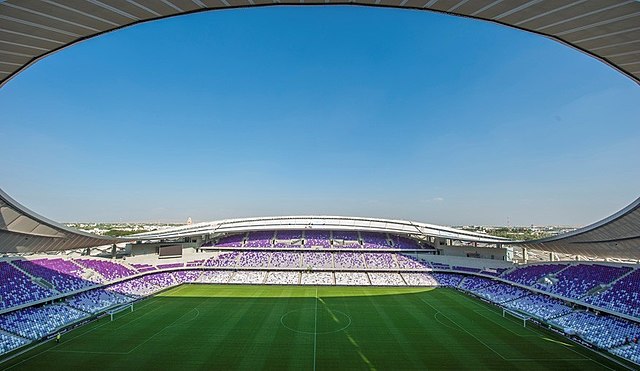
(11, 333)
(543, 284)
(89, 269)
(87, 273)
(508, 271)
(37, 280)
(619, 278)
(601, 289)
(595, 291)
(401, 276)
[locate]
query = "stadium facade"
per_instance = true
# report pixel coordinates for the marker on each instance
(41, 295)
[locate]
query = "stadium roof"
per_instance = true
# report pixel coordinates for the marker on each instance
(617, 236)
(23, 231)
(608, 30)
(327, 223)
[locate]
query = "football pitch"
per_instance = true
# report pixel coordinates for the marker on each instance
(309, 328)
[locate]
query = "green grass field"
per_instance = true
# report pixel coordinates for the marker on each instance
(309, 328)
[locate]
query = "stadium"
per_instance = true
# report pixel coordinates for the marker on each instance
(317, 291)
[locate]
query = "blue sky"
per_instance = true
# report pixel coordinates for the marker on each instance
(321, 110)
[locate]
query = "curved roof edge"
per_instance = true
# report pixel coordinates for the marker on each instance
(320, 222)
(25, 231)
(616, 236)
(605, 30)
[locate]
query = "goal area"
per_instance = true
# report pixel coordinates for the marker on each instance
(112, 312)
(519, 316)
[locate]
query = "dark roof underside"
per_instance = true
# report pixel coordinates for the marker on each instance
(608, 30)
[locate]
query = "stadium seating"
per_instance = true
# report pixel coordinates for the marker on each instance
(501, 293)
(474, 284)
(386, 279)
(248, 277)
(419, 279)
(144, 286)
(345, 235)
(374, 240)
(259, 239)
(144, 267)
(400, 242)
(223, 260)
(352, 278)
(409, 262)
(186, 276)
(348, 260)
(254, 259)
(448, 279)
(317, 239)
(64, 275)
(106, 268)
(94, 301)
(9, 342)
(604, 285)
(317, 260)
(288, 235)
(630, 351)
(531, 274)
(214, 277)
(283, 278)
(16, 288)
(623, 296)
(575, 281)
(380, 261)
(540, 306)
(602, 331)
(235, 240)
(316, 278)
(37, 322)
(285, 259)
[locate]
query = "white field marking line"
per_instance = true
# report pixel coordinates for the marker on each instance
(479, 312)
(148, 302)
(135, 319)
(187, 321)
(463, 329)
(315, 332)
(435, 316)
(117, 328)
(161, 330)
(173, 324)
(501, 356)
(491, 309)
(176, 289)
(68, 340)
(309, 332)
(535, 330)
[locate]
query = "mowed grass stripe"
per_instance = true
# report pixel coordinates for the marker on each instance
(279, 327)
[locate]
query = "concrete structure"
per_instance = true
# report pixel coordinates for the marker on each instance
(24, 231)
(617, 236)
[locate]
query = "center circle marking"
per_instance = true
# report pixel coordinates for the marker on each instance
(342, 314)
